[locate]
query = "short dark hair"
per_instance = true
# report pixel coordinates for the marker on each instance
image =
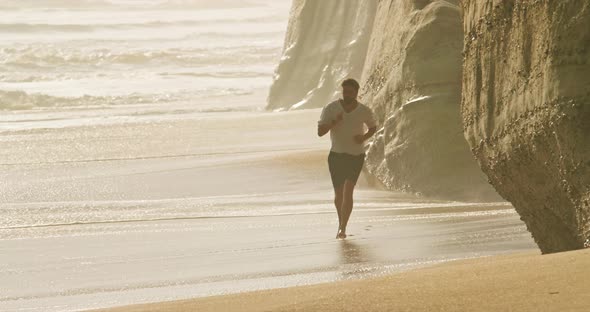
(352, 83)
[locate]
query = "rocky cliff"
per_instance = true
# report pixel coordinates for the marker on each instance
(526, 110)
(407, 56)
(412, 80)
(518, 100)
(326, 42)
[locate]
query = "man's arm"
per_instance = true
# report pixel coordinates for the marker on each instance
(370, 133)
(324, 128)
(360, 138)
(371, 124)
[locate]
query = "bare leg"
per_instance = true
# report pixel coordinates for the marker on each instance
(346, 204)
(338, 191)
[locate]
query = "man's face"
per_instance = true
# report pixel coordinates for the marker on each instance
(349, 94)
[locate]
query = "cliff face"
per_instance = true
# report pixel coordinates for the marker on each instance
(526, 110)
(518, 100)
(326, 42)
(412, 79)
(407, 56)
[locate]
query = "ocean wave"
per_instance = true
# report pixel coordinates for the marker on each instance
(200, 4)
(20, 100)
(58, 57)
(53, 4)
(63, 214)
(114, 4)
(31, 28)
(45, 56)
(38, 27)
(7, 76)
(19, 77)
(227, 74)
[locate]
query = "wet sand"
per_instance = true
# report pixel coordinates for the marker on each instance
(519, 282)
(118, 214)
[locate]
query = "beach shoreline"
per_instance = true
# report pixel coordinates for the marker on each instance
(157, 211)
(517, 282)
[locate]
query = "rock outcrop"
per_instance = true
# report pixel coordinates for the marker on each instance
(326, 42)
(412, 80)
(526, 110)
(407, 55)
(518, 100)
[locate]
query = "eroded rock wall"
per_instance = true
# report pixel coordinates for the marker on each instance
(526, 110)
(412, 79)
(326, 42)
(407, 55)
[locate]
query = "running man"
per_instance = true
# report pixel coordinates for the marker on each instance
(344, 119)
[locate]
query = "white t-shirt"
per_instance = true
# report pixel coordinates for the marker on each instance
(342, 135)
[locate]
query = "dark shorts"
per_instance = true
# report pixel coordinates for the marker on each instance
(345, 167)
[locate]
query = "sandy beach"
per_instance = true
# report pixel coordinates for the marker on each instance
(162, 155)
(519, 282)
(117, 214)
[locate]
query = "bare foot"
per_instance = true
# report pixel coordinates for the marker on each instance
(341, 234)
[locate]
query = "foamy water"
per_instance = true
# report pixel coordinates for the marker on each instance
(157, 56)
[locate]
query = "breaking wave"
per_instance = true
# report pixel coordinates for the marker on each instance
(20, 100)
(44, 56)
(118, 4)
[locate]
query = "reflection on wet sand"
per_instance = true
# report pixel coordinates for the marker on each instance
(356, 259)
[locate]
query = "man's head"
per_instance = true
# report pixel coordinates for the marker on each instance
(350, 90)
